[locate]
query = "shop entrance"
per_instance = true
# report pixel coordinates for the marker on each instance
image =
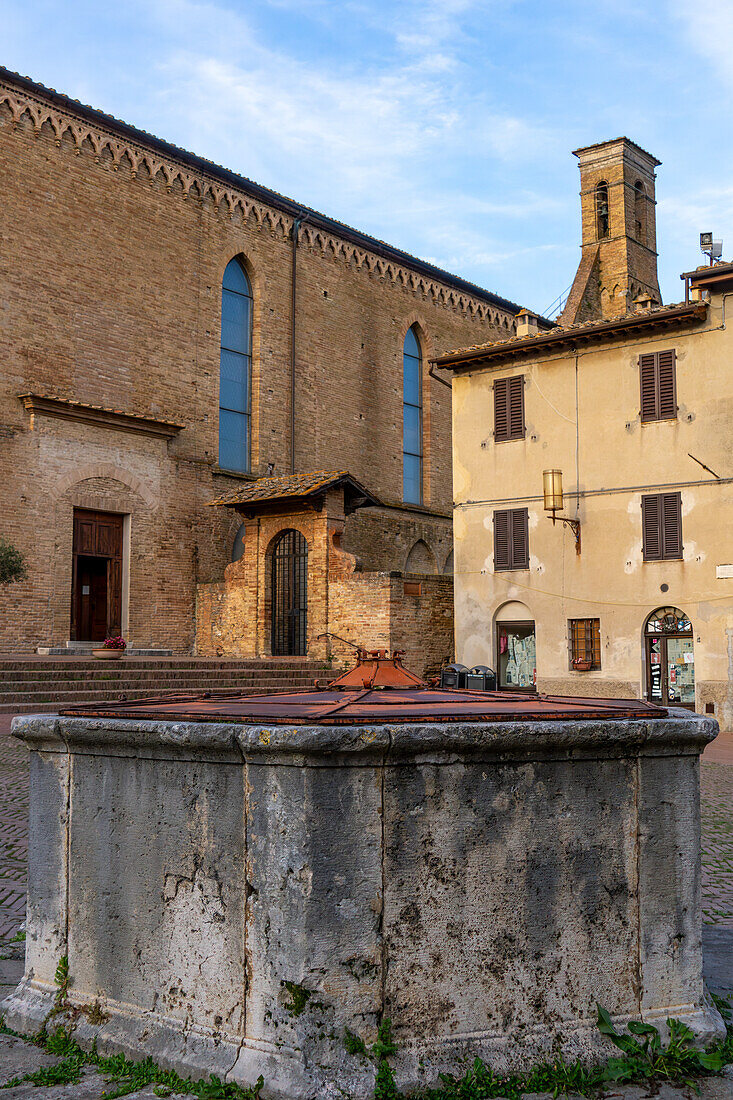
(670, 658)
(96, 591)
(516, 650)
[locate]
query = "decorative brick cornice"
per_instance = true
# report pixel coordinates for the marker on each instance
(64, 409)
(99, 141)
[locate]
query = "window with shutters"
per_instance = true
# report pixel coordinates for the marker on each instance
(661, 522)
(657, 379)
(511, 539)
(509, 408)
(585, 642)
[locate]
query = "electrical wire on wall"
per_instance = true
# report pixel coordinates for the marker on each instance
(579, 599)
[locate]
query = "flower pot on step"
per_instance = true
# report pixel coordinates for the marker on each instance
(108, 654)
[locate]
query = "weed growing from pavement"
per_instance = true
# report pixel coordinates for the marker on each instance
(644, 1058)
(123, 1075)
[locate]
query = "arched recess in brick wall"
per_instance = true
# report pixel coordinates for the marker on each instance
(421, 559)
(105, 470)
(448, 567)
(137, 564)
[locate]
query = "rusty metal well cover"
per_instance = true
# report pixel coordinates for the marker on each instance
(378, 689)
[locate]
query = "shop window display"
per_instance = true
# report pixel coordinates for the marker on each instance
(517, 657)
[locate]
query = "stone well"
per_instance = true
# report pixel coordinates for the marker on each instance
(235, 896)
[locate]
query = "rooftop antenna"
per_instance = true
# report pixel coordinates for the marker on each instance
(710, 248)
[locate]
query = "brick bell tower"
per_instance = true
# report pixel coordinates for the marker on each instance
(618, 266)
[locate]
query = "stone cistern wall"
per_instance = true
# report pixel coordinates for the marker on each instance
(236, 896)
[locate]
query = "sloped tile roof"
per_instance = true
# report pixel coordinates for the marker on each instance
(560, 333)
(293, 486)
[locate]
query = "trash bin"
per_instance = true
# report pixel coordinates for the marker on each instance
(452, 677)
(481, 678)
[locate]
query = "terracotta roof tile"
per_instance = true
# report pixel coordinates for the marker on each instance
(580, 326)
(290, 486)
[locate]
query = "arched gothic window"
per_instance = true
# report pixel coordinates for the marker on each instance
(235, 369)
(411, 420)
(639, 211)
(602, 221)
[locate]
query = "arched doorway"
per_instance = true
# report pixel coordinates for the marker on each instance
(670, 658)
(289, 595)
(516, 648)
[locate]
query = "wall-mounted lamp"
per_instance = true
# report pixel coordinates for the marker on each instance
(552, 492)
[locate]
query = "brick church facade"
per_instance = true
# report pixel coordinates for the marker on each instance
(127, 407)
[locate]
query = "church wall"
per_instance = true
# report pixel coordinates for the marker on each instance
(110, 292)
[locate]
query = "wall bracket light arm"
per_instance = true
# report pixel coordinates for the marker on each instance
(553, 501)
(573, 524)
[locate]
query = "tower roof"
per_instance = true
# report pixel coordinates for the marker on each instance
(615, 141)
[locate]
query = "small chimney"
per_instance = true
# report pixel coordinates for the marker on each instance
(527, 323)
(644, 301)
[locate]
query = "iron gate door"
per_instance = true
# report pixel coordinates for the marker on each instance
(289, 595)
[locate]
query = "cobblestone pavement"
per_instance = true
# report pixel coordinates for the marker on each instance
(716, 782)
(13, 833)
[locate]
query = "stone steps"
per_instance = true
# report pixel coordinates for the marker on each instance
(44, 685)
(118, 674)
(90, 663)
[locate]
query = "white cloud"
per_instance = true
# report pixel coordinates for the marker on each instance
(368, 144)
(708, 28)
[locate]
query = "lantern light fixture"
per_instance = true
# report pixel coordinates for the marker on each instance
(553, 501)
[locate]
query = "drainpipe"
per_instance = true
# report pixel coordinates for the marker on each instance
(297, 222)
(445, 381)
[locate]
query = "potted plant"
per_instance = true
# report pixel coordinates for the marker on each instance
(580, 664)
(111, 650)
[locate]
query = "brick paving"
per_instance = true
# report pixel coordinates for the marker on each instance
(716, 782)
(13, 830)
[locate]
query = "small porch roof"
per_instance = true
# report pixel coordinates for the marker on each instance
(259, 495)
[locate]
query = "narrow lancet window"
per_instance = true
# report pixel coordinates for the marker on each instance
(602, 221)
(235, 370)
(411, 420)
(639, 211)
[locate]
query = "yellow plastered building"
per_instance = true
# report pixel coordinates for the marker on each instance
(624, 587)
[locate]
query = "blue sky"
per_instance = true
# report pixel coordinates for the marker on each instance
(442, 126)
